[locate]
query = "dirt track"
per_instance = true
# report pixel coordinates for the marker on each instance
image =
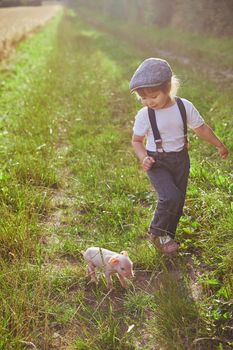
(17, 23)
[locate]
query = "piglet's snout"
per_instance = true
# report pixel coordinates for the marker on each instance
(130, 274)
(128, 269)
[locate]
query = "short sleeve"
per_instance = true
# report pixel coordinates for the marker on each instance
(141, 126)
(194, 119)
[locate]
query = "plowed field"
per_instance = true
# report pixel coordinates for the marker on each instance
(18, 22)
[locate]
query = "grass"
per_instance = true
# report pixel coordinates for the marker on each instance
(69, 179)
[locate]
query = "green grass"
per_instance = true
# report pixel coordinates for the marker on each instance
(69, 179)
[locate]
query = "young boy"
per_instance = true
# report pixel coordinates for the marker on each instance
(163, 122)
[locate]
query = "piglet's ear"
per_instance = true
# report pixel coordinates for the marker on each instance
(114, 261)
(124, 252)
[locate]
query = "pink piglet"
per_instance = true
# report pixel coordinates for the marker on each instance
(111, 262)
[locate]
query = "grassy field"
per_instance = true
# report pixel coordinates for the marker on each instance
(69, 179)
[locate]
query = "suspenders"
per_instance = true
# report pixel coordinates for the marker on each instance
(157, 137)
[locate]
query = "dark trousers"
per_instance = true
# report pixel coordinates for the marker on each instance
(169, 176)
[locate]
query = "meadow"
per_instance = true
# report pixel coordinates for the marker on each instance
(69, 179)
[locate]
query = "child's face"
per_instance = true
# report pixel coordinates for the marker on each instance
(156, 99)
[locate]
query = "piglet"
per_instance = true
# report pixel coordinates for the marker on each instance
(111, 262)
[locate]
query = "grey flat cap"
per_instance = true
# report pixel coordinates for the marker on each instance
(151, 72)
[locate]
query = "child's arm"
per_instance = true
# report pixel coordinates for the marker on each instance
(139, 148)
(207, 134)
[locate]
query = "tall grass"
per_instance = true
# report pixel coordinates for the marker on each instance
(28, 157)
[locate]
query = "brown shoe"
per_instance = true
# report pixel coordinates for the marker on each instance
(166, 248)
(170, 247)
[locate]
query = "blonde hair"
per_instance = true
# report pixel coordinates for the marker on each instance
(175, 85)
(170, 86)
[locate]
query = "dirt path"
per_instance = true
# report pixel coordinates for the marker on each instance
(18, 22)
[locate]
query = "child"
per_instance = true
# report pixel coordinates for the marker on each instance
(163, 121)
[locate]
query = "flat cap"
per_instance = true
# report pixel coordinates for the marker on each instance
(151, 72)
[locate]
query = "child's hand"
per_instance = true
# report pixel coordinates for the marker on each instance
(223, 152)
(147, 163)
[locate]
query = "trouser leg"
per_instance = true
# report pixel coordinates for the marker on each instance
(181, 181)
(170, 183)
(174, 223)
(170, 202)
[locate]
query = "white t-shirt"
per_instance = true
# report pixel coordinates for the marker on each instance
(170, 125)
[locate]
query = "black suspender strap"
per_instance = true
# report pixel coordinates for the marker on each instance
(154, 126)
(184, 118)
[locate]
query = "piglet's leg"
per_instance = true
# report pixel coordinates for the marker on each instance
(91, 272)
(122, 281)
(109, 280)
